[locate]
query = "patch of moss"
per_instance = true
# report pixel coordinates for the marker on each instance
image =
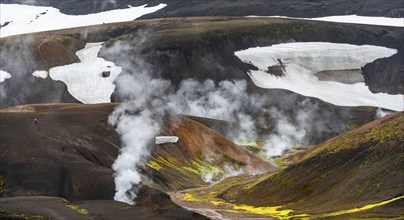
(194, 167)
(224, 29)
(5, 214)
(363, 208)
(76, 208)
(192, 170)
(277, 211)
(199, 167)
(64, 40)
(388, 131)
(281, 162)
(189, 197)
(20, 108)
(235, 164)
(154, 165)
(4, 40)
(255, 181)
(157, 163)
(222, 185)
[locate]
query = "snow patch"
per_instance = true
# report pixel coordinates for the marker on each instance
(29, 19)
(353, 19)
(4, 75)
(383, 112)
(304, 60)
(40, 74)
(166, 139)
(84, 80)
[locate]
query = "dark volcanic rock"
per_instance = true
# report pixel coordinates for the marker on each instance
(185, 8)
(106, 74)
(276, 70)
(386, 74)
(5, 24)
(348, 76)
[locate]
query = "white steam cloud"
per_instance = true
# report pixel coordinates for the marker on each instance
(227, 100)
(285, 136)
(148, 100)
(138, 122)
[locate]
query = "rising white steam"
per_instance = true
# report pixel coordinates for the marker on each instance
(286, 134)
(136, 132)
(148, 100)
(138, 122)
(227, 100)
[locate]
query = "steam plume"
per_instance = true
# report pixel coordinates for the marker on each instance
(147, 100)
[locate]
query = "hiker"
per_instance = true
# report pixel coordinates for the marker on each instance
(63, 148)
(35, 121)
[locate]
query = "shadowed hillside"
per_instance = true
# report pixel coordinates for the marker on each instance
(48, 158)
(68, 138)
(68, 153)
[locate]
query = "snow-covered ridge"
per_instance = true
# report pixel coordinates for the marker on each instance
(91, 80)
(353, 19)
(22, 19)
(166, 139)
(304, 60)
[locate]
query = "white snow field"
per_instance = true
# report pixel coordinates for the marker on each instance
(85, 80)
(4, 75)
(304, 60)
(355, 19)
(166, 139)
(352, 19)
(28, 19)
(40, 74)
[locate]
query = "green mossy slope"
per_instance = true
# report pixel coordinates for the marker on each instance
(355, 169)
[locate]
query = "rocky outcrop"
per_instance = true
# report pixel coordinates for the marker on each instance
(386, 75)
